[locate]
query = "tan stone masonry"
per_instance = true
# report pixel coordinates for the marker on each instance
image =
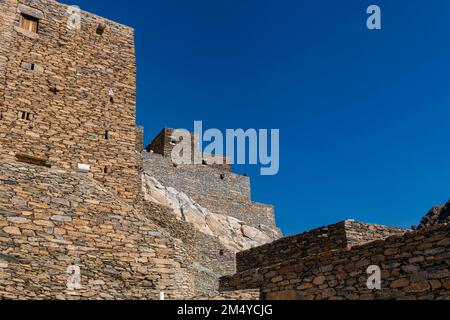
(72, 196)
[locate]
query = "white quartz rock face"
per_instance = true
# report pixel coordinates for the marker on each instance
(233, 234)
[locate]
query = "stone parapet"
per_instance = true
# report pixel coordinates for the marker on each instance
(338, 236)
(414, 265)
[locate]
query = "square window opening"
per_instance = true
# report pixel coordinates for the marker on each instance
(29, 23)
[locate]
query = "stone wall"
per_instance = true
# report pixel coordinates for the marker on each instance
(415, 265)
(165, 142)
(77, 89)
(247, 295)
(221, 192)
(162, 144)
(67, 218)
(337, 236)
(68, 98)
(125, 252)
(7, 17)
(204, 256)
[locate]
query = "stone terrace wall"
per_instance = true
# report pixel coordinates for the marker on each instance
(337, 236)
(228, 194)
(415, 265)
(51, 219)
(204, 256)
(302, 245)
(247, 295)
(359, 233)
(63, 78)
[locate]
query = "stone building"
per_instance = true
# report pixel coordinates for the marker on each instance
(86, 213)
(68, 95)
(213, 186)
(73, 194)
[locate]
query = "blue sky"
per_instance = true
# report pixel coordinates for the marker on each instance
(362, 114)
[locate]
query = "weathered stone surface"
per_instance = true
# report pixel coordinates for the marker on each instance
(319, 280)
(413, 272)
(68, 104)
(58, 218)
(12, 231)
(74, 192)
(437, 215)
(400, 283)
(8, 258)
(234, 234)
(338, 236)
(282, 295)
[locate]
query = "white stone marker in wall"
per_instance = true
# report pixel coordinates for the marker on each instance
(84, 167)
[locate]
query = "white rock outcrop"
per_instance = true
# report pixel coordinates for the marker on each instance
(234, 234)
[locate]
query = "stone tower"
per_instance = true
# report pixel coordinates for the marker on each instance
(68, 92)
(72, 179)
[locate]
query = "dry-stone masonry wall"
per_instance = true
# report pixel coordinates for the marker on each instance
(68, 96)
(221, 192)
(247, 295)
(204, 256)
(71, 196)
(338, 236)
(71, 171)
(51, 219)
(415, 265)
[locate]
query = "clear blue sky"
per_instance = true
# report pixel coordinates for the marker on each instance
(363, 114)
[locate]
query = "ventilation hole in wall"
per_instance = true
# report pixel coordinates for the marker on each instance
(101, 29)
(32, 66)
(106, 170)
(106, 135)
(53, 90)
(222, 176)
(204, 163)
(111, 99)
(25, 115)
(221, 253)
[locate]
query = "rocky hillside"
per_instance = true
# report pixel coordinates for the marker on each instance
(233, 234)
(437, 215)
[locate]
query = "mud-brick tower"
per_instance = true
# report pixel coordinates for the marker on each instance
(68, 92)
